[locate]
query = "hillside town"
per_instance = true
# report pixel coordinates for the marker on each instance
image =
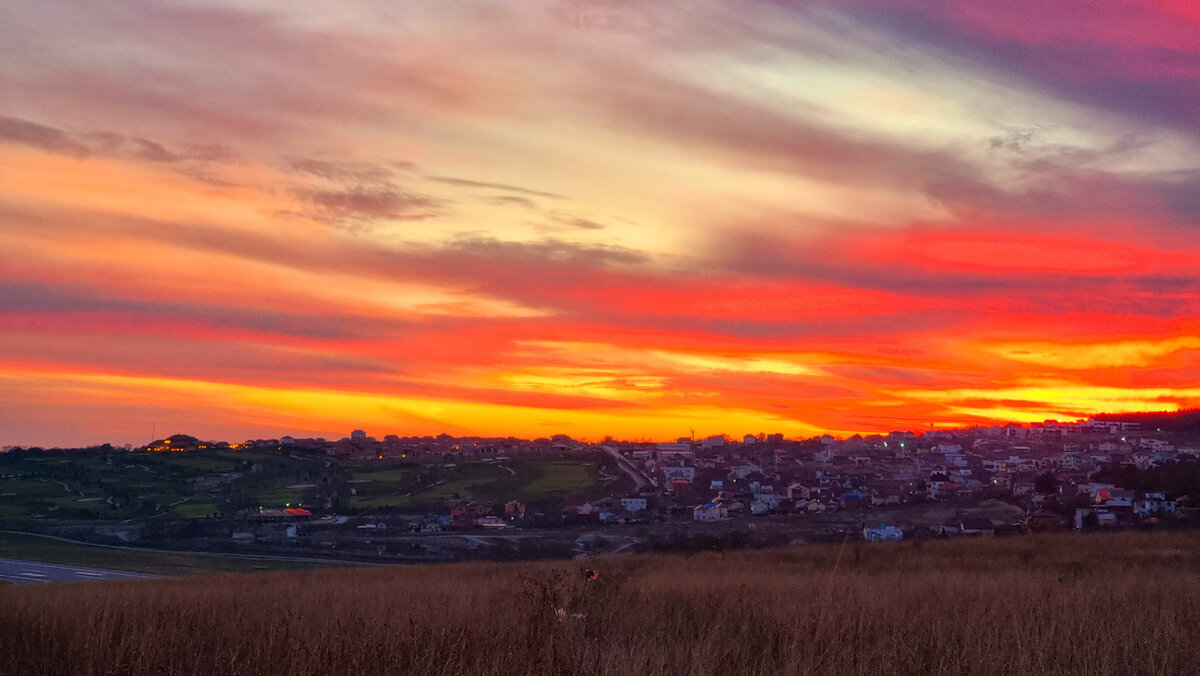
(1052, 471)
(977, 481)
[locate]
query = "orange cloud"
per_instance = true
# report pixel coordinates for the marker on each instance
(707, 216)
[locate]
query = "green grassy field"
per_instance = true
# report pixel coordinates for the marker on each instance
(203, 462)
(195, 485)
(394, 475)
(559, 478)
(1105, 604)
(189, 510)
(91, 485)
(35, 548)
(530, 481)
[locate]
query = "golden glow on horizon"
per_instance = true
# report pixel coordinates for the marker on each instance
(330, 411)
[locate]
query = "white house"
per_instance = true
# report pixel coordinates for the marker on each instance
(1117, 498)
(673, 473)
(1154, 504)
(634, 504)
(430, 526)
(710, 511)
(798, 492)
(743, 471)
(1093, 489)
(770, 499)
(882, 531)
(1103, 517)
(811, 506)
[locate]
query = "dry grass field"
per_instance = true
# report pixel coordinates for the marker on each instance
(1126, 603)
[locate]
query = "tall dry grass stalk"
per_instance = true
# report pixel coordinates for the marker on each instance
(1106, 604)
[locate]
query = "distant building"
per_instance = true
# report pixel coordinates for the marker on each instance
(358, 435)
(176, 443)
(1154, 504)
(1103, 517)
(882, 531)
(710, 511)
(743, 471)
(634, 504)
(681, 473)
(575, 514)
(771, 500)
(978, 527)
(798, 491)
(679, 449)
(1042, 521)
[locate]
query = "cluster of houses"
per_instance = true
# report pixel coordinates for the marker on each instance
(1113, 506)
(630, 509)
(717, 478)
(1040, 521)
(470, 514)
(478, 514)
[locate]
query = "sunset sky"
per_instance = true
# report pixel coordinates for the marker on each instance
(243, 219)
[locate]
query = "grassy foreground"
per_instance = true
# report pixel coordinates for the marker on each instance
(1126, 603)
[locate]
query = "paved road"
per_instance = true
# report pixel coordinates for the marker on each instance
(634, 473)
(15, 570)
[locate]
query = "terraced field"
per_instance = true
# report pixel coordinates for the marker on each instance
(531, 481)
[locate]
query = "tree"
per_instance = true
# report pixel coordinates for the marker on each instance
(1045, 484)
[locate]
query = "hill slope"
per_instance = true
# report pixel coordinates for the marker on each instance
(1103, 604)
